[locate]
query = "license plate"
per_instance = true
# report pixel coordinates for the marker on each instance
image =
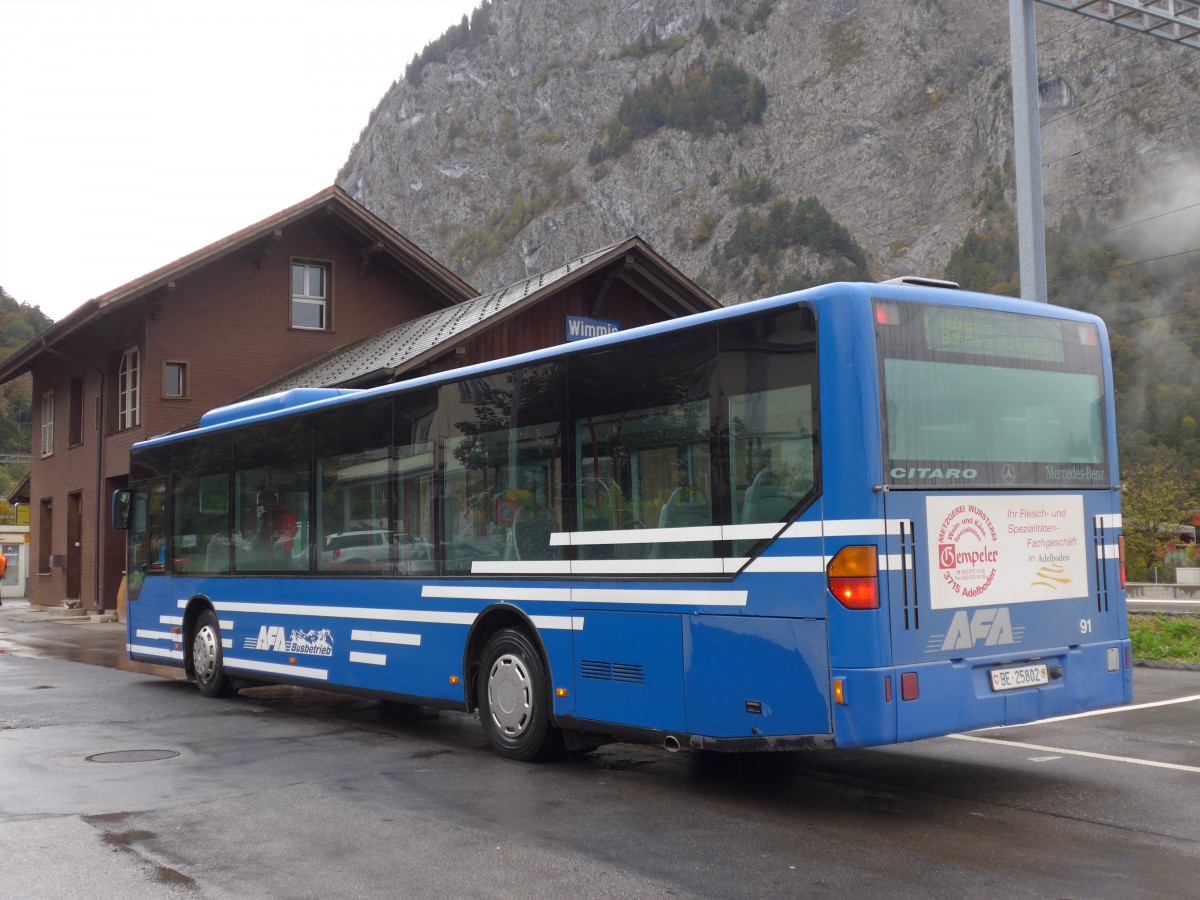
(1019, 677)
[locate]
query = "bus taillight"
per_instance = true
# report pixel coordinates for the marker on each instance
(1121, 557)
(853, 576)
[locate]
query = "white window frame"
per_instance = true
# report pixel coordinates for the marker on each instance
(129, 390)
(307, 297)
(48, 424)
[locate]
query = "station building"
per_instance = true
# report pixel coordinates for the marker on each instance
(322, 294)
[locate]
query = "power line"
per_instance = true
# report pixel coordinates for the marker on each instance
(1095, 234)
(1111, 140)
(1124, 265)
(1124, 90)
(1174, 312)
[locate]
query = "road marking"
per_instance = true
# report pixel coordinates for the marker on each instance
(1098, 712)
(1105, 756)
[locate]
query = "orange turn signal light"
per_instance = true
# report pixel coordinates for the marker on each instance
(853, 576)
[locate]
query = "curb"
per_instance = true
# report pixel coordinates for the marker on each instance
(1167, 664)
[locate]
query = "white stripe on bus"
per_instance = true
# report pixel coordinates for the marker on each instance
(154, 651)
(637, 596)
(156, 635)
(386, 637)
(370, 659)
(892, 562)
(753, 531)
(277, 668)
(347, 612)
(685, 566)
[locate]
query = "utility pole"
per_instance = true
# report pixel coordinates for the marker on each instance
(1177, 21)
(1031, 223)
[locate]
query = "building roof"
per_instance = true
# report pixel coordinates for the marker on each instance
(405, 347)
(378, 239)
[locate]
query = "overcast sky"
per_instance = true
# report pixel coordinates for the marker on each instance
(133, 132)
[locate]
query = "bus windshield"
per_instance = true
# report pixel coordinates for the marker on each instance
(989, 399)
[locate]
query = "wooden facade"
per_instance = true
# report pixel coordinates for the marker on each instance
(224, 314)
(222, 318)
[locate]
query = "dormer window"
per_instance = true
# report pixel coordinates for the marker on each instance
(310, 296)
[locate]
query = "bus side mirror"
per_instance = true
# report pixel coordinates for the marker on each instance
(122, 504)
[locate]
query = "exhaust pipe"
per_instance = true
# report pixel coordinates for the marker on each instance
(671, 743)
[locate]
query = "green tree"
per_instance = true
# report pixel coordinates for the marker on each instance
(1157, 497)
(704, 98)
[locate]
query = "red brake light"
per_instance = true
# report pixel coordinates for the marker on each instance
(909, 689)
(853, 576)
(886, 313)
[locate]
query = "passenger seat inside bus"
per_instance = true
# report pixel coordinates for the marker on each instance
(687, 507)
(531, 532)
(769, 498)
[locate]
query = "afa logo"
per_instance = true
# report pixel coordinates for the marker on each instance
(991, 627)
(310, 643)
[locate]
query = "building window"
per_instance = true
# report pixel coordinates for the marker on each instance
(75, 414)
(175, 380)
(47, 423)
(129, 384)
(45, 529)
(310, 296)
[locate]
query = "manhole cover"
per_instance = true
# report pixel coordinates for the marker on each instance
(128, 756)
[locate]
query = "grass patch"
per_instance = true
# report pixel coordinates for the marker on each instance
(1165, 638)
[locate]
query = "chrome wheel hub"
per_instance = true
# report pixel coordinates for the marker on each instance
(510, 695)
(204, 653)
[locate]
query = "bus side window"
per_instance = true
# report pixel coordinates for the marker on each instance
(200, 504)
(642, 443)
(156, 527)
(270, 496)
(502, 466)
(770, 383)
(354, 530)
(138, 547)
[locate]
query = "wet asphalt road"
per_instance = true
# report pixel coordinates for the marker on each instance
(283, 792)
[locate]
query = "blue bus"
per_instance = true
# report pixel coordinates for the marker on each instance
(850, 516)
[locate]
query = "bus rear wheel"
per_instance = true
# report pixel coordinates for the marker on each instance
(207, 657)
(514, 698)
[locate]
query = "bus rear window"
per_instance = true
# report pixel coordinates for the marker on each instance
(987, 399)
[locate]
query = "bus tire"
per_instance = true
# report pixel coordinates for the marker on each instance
(514, 698)
(208, 657)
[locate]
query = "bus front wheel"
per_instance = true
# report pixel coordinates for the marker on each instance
(207, 664)
(514, 698)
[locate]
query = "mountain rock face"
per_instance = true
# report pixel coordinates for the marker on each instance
(504, 155)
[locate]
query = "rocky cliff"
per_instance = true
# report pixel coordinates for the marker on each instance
(502, 152)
